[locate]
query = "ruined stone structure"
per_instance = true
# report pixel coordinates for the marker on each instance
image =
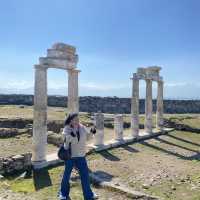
(60, 56)
(63, 56)
(148, 74)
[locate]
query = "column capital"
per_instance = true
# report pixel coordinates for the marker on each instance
(148, 79)
(135, 77)
(41, 67)
(160, 80)
(73, 70)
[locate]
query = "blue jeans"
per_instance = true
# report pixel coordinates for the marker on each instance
(81, 164)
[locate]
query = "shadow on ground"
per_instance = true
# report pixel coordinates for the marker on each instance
(41, 179)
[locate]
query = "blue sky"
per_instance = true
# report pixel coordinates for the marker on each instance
(113, 38)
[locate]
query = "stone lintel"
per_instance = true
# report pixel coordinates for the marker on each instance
(57, 63)
(151, 73)
(55, 53)
(41, 67)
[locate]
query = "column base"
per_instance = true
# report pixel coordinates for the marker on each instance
(39, 164)
(135, 133)
(99, 138)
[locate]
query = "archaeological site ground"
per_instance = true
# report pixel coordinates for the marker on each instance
(143, 149)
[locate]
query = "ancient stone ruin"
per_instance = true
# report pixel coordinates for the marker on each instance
(148, 74)
(63, 56)
(60, 56)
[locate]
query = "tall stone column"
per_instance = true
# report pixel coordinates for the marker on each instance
(118, 126)
(73, 96)
(159, 113)
(148, 106)
(40, 116)
(135, 106)
(99, 123)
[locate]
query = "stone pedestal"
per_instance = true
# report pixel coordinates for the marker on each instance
(148, 107)
(159, 113)
(40, 116)
(118, 126)
(135, 106)
(73, 98)
(99, 123)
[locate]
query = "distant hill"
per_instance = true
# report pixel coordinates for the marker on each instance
(105, 104)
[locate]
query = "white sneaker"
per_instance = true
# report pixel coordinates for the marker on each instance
(95, 196)
(61, 197)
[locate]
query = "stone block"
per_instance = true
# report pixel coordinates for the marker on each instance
(64, 47)
(58, 63)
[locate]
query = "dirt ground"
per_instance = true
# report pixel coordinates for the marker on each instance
(166, 166)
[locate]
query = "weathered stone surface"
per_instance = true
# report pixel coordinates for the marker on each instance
(73, 95)
(58, 62)
(99, 123)
(64, 47)
(40, 115)
(15, 163)
(60, 56)
(54, 53)
(135, 106)
(15, 123)
(159, 113)
(1, 166)
(151, 73)
(8, 132)
(148, 107)
(27, 159)
(55, 139)
(118, 126)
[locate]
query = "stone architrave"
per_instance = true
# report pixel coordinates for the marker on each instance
(135, 106)
(99, 123)
(118, 127)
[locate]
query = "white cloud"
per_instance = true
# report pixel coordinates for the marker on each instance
(185, 90)
(10, 84)
(103, 87)
(176, 84)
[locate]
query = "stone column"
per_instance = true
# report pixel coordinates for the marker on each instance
(148, 106)
(40, 116)
(118, 126)
(73, 96)
(159, 113)
(99, 123)
(135, 106)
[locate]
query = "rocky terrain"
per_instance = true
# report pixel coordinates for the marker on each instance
(106, 104)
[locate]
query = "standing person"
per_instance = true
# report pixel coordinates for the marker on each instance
(76, 135)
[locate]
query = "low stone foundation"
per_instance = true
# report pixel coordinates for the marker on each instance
(15, 163)
(12, 132)
(15, 123)
(180, 127)
(54, 138)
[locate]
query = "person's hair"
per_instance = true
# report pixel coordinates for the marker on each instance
(69, 118)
